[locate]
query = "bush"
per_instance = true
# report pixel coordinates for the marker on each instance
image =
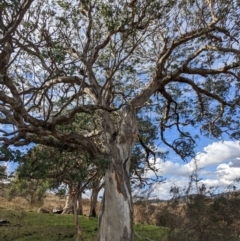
(31, 190)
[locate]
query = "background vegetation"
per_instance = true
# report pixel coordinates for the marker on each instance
(185, 217)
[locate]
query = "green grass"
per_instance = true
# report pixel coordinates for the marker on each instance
(29, 226)
(148, 231)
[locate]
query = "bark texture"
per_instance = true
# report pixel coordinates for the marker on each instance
(115, 218)
(95, 190)
(79, 204)
(116, 214)
(74, 197)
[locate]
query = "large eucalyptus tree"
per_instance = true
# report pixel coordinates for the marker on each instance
(175, 61)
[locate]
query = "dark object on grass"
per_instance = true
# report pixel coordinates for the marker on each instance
(4, 222)
(57, 211)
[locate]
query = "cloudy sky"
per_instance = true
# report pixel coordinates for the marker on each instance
(218, 164)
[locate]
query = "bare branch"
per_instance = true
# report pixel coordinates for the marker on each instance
(25, 6)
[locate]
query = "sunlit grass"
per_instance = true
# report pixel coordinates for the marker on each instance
(29, 226)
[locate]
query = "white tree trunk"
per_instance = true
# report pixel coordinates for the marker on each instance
(68, 208)
(76, 213)
(79, 204)
(116, 214)
(74, 189)
(97, 186)
(93, 203)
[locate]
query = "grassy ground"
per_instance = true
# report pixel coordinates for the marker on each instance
(28, 226)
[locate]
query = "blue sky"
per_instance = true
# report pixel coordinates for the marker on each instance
(218, 161)
(219, 164)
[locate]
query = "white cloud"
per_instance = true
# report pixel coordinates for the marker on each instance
(219, 164)
(227, 173)
(162, 191)
(217, 153)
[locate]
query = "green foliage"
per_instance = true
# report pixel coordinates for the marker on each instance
(9, 154)
(30, 189)
(215, 219)
(197, 217)
(63, 4)
(55, 53)
(53, 165)
(9, 4)
(61, 192)
(166, 218)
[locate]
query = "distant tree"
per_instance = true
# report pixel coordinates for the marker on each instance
(79, 172)
(197, 213)
(32, 190)
(213, 218)
(176, 61)
(58, 167)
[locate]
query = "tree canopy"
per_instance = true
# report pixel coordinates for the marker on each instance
(175, 62)
(72, 57)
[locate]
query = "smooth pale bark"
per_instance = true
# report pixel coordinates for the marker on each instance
(68, 208)
(97, 186)
(93, 203)
(76, 213)
(79, 204)
(72, 199)
(73, 205)
(116, 214)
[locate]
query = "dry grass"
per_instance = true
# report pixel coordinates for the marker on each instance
(50, 202)
(17, 203)
(144, 213)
